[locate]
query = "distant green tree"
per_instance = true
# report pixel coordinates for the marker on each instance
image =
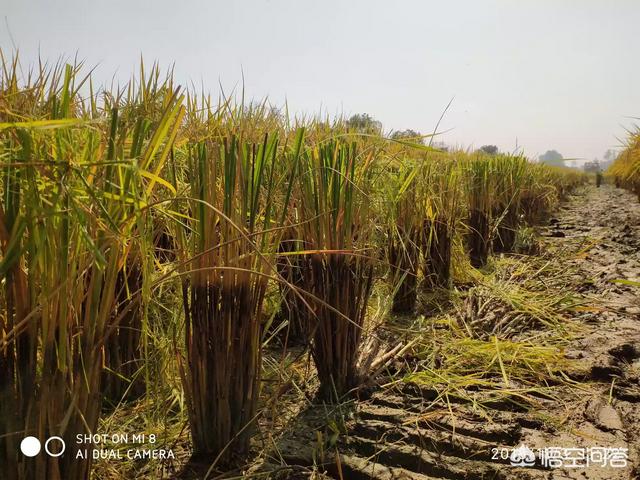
(592, 167)
(409, 135)
(553, 158)
(490, 149)
(364, 123)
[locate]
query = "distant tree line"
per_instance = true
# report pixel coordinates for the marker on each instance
(553, 158)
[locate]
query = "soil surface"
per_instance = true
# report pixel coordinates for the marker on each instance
(397, 434)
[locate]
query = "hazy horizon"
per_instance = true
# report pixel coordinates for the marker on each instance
(541, 75)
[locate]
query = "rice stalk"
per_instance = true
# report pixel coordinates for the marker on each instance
(441, 216)
(403, 244)
(626, 168)
(69, 208)
(479, 192)
(339, 276)
(509, 174)
(227, 251)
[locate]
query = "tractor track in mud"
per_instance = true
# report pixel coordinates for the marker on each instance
(395, 434)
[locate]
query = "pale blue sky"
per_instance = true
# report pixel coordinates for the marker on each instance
(555, 74)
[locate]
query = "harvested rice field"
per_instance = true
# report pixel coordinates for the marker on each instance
(198, 283)
(450, 402)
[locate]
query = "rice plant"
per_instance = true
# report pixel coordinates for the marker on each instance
(442, 211)
(142, 108)
(403, 248)
(227, 252)
(509, 175)
(479, 193)
(335, 229)
(71, 203)
(293, 313)
(626, 168)
(538, 194)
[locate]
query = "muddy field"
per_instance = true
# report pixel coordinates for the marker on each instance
(574, 308)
